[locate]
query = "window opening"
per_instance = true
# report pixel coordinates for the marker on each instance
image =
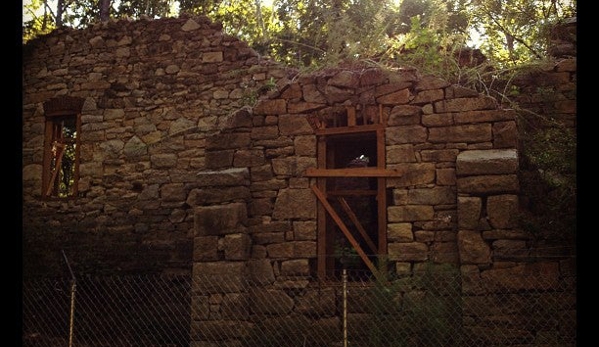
(61, 169)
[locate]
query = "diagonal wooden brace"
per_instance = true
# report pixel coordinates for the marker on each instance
(357, 223)
(323, 200)
(59, 154)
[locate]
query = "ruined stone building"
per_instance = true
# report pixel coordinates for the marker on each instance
(169, 147)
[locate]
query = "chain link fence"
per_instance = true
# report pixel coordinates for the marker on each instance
(427, 309)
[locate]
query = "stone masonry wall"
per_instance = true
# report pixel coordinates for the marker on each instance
(193, 155)
(457, 202)
(154, 91)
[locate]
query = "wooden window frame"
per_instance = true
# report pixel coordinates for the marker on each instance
(56, 110)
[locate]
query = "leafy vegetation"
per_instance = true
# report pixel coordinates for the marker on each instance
(548, 151)
(314, 32)
(419, 310)
(548, 181)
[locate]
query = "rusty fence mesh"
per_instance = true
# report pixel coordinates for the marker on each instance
(220, 309)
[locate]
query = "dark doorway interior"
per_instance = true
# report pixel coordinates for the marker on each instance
(359, 195)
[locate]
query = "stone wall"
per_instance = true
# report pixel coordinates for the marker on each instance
(193, 158)
(550, 89)
(547, 97)
(154, 91)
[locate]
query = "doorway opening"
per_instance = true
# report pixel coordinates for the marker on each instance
(355, 200)
(351, 190)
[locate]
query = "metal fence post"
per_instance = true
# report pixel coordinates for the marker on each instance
(73, 290)
(344, 278)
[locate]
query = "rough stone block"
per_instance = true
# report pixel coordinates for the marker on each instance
(414, 174)
(295, 204)
(270, 301)
(502, 211)
(533, 276)
(219, 219)
(304, 249)
(260, 271)
(473, 249)
(295, 267)
(488, 184)
(410, 213)
(237, 246)
(404, 252)
(229, 177)
(469, 212)
(400, 232)
(219, 277)
(487, 162)
(461, 133)
(205, 248)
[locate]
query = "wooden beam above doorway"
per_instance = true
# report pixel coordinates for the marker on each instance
(353, 172)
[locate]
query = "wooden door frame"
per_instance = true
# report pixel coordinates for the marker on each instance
(323, 171)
